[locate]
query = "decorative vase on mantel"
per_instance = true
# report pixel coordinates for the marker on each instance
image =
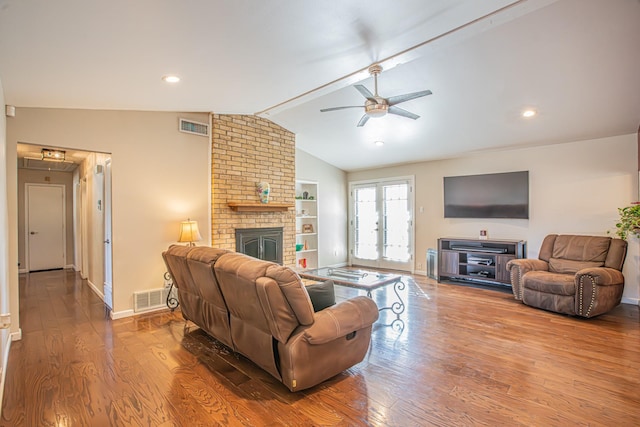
(263, 189)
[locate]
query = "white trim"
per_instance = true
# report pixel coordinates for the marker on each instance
(96, 290)
(632, 301)
(17, 335)
(411, 179)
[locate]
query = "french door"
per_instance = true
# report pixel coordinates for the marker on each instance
(381, 224)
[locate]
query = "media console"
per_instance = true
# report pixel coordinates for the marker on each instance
(480, 261)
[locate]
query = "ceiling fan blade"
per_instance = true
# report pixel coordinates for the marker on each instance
(407, 97)
(404, 113)
(363, 120)
(324, 110)
(365, 92)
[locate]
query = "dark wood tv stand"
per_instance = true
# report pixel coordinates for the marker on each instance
(478, 261)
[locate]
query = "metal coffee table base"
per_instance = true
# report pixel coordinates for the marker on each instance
(368, 281)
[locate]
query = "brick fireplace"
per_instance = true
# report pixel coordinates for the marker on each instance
(246, 150)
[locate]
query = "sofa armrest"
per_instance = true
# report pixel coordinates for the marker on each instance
(518, 268)
(598, 290)
(341, 319)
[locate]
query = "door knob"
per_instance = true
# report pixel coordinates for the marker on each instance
(107, 241)
(34, 232)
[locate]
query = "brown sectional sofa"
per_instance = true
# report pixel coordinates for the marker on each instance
(575, 275)
(262, 310)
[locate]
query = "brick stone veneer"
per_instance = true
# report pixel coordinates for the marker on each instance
(246, 150)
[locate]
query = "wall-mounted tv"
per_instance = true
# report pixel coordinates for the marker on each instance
(496, 195)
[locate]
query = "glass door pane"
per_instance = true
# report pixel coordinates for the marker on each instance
(396, 222)
(365, 223)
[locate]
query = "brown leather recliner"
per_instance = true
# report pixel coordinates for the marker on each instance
(263, 311)
(575, 275)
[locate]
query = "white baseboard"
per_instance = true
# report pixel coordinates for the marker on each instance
(22, 271)
(96, 290)
(632, 301)
(340, 264)
(129, 313)
(122, 314)
(420, 272)
(16, 336)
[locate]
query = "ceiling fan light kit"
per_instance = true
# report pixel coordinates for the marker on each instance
(376, 106)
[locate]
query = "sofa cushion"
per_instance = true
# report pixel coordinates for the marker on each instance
(551, 283)
(322, 295)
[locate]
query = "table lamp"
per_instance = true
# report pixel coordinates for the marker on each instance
(189, 232)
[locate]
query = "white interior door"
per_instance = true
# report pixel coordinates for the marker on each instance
(46, 228)
(381, 225)
(108, 255)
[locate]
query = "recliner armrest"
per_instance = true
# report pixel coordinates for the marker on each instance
(526, 265)
(341, 319)
(518, 268)
(598, 290)
(602, 276)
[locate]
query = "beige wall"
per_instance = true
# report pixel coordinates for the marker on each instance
(160, 177)
(332, 202)
(574, 188)
(27, 176)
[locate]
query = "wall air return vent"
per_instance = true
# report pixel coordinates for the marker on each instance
(189, 126)
(152, 299)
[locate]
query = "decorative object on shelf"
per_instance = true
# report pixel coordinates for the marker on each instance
(483, 235)
(305, 195)
(299, 247)
(172, 301)
(307, 228)
(302, 262)
(305, 245)
(629, 222)
(263, 189)
(189, 232)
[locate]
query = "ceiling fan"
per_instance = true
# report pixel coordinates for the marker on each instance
(377, 106)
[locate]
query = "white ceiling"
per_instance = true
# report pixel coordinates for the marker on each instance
(576, 61)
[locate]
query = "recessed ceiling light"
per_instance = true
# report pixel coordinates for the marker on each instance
(171, 79)
(529, 113)
(379, 143)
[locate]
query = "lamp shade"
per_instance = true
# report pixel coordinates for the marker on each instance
(189, 232)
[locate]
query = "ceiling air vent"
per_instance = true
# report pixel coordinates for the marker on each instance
(189, 126)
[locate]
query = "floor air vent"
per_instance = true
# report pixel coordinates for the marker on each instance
(195, 128)
(152, 299)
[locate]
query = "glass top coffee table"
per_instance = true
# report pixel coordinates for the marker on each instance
(365, 280)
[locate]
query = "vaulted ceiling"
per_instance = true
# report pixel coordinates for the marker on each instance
(576, 62)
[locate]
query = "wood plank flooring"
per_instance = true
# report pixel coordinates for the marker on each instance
(466, 357)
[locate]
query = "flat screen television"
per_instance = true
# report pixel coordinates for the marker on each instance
(496, 195)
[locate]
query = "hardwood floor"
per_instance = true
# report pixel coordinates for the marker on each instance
(466, 356)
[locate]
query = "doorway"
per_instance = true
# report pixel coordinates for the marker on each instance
(381, 224)
(45, 220)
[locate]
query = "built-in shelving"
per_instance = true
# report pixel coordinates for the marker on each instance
(306, 224)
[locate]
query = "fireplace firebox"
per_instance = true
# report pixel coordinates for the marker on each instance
(261, 243)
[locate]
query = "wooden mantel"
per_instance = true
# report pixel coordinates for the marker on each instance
(259, 207)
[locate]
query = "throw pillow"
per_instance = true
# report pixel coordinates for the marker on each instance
(322, 295)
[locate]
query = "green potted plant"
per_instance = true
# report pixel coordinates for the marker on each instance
(629, 222)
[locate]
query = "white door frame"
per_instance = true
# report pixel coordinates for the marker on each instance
(27, 187)
(411, 180)
(108, 239)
